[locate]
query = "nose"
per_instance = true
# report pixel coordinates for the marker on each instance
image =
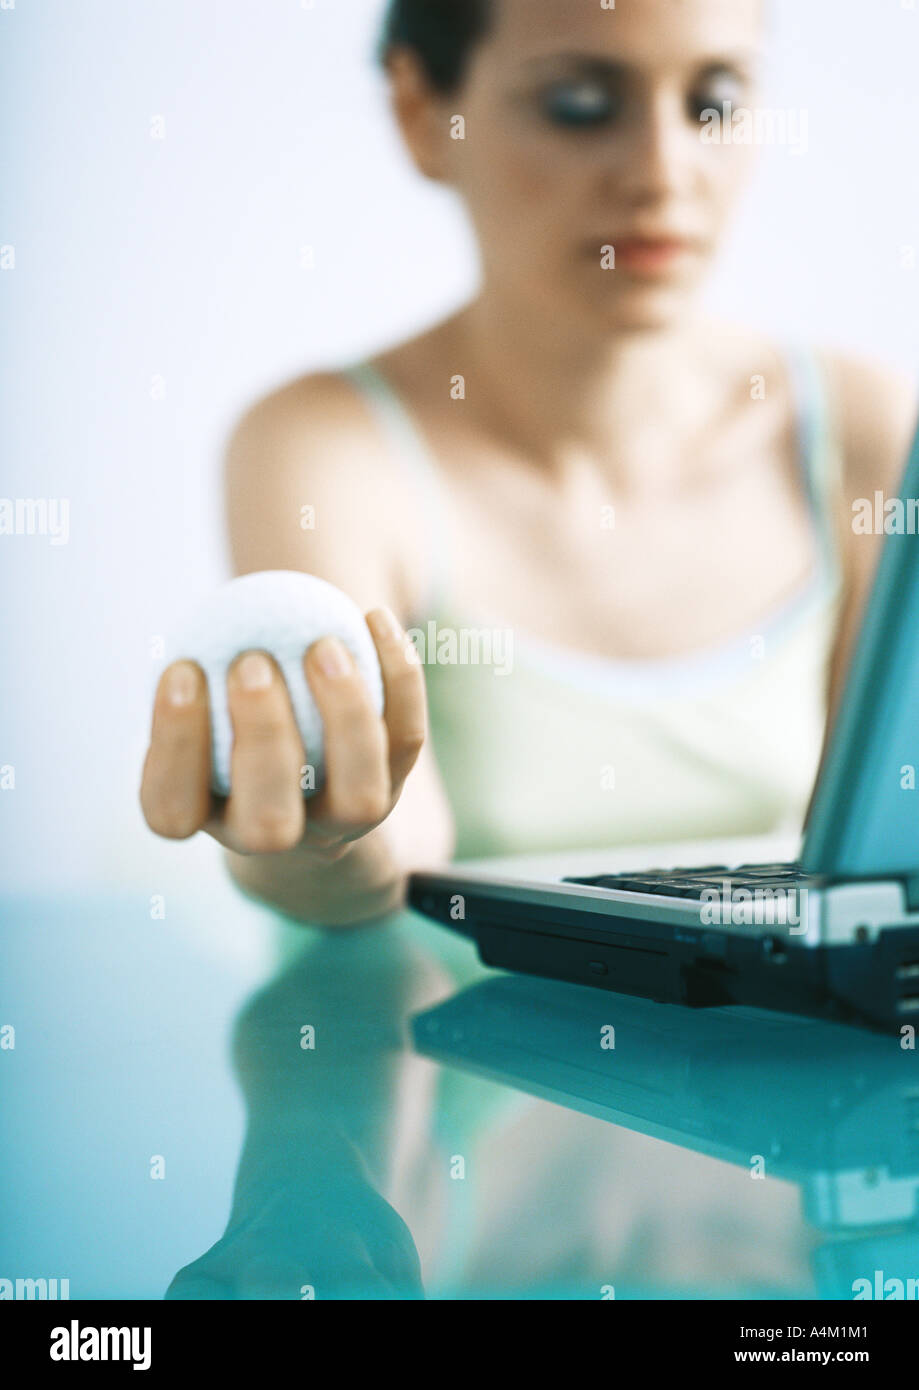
(658, 162)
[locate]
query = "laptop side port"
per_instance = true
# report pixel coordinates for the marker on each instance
(907, 987)
(880, 979)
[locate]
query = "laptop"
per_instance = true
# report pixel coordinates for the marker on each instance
(832, 931)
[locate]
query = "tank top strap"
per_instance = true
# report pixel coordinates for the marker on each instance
(409, 448)
(819, 451)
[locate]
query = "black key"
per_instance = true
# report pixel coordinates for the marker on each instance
(648, 877)
(660, 887)
(631, 885)
(699, 869)
(690, 882)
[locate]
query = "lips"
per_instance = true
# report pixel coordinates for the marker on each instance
(645, 255)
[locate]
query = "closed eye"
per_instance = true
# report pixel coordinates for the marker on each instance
(579, 104)
(717, 89)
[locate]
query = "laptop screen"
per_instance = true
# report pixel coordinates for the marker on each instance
(864, 819)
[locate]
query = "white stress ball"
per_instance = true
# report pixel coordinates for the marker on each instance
(281, 612)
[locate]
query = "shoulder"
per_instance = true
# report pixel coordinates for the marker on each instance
(310, 483)
(315, 421)
(873, 419)
(874, 410)
(872, 407)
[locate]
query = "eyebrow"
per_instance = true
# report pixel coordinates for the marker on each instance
(588, 65)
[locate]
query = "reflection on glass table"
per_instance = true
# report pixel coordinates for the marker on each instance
(414, 1124)
(547, 1140)
(833, 1109)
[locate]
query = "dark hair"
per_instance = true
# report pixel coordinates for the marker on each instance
(443, 33)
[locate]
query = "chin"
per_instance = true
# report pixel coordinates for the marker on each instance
(648, 310)
(633, 304)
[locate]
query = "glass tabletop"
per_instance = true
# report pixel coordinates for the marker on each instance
(371, 1113)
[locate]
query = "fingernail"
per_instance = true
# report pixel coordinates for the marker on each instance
(333, 657)
(384, 623)
(182, 684)
(254, 671)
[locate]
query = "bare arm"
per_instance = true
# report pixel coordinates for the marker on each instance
(308, 488)
(876, 411)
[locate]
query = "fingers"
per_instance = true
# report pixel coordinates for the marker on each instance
(263, 1267)
(367, 759)
(175, 789)
(264, 813)
(357, 791)
(403, 682)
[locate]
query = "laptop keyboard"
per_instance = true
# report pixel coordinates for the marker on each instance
(690, 883)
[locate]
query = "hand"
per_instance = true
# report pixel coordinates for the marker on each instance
(340, 1240)
(367, 758)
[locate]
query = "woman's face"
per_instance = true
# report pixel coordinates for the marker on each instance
(584, 130)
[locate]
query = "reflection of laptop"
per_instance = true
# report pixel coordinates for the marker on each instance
(834, 933)
(831, 1108)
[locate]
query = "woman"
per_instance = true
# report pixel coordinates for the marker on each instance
(653, 507)
(649, 515)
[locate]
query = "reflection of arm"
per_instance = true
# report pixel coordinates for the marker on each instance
(310, 1206)
(311, 1109)
(312, 445)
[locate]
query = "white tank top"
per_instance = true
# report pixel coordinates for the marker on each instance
(569, 750)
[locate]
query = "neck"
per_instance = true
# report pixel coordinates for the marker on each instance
(595, 391)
